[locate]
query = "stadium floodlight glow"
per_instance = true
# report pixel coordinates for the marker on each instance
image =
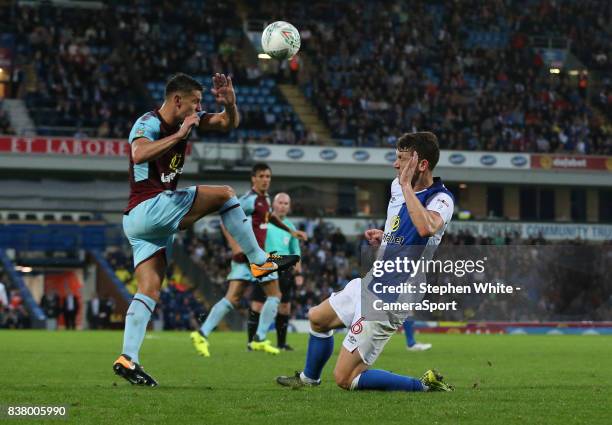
(555, 71)
(264, 56)
(573, 72)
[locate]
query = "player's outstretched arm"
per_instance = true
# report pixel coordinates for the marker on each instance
(274, 219)
(144, 151)
(426, 222)
(223, 90)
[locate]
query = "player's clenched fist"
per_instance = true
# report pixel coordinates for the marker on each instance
(374, 236)
(187, 125)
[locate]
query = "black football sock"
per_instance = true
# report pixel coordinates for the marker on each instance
(282, 322)
(252, 324)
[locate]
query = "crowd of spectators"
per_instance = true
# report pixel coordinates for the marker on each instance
(81, 84)
(93, 68)
(419, 68)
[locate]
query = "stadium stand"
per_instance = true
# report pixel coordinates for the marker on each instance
(479, 82)
(94, 80)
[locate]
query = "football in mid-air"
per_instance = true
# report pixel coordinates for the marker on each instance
(280, 40)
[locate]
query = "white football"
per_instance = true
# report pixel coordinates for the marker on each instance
(280, 40)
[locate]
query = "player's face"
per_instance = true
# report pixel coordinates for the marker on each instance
(281, 206)
(261, 181)
(401, 159)
(189, 103)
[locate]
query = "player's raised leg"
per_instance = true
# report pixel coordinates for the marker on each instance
(223, 199)
(149, 274)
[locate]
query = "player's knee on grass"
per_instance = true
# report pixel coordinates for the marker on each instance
(318, 323)
(343, 379)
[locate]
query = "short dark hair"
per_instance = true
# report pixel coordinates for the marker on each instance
(182, 83)
(425, 143)
(259, 166)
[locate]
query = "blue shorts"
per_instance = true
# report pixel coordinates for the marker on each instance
(242, 271)
(150, 226)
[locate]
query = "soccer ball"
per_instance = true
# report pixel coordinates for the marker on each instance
(280, 40)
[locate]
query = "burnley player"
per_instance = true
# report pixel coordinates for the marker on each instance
(256, 205)
(426, 210)
(281, 242)
(157, 210)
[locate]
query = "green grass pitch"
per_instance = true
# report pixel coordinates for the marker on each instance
(499, 380)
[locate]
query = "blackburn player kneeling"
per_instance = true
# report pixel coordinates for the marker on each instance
(422, 219)
(157, 210)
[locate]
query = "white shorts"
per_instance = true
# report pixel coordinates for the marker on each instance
(369, 337)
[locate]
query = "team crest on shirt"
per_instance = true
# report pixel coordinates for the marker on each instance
(395, 223)
(140, 132)
(175, 161)
(175, 170)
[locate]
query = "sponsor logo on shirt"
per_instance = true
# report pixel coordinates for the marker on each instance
(392, 239)
(167, 178)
